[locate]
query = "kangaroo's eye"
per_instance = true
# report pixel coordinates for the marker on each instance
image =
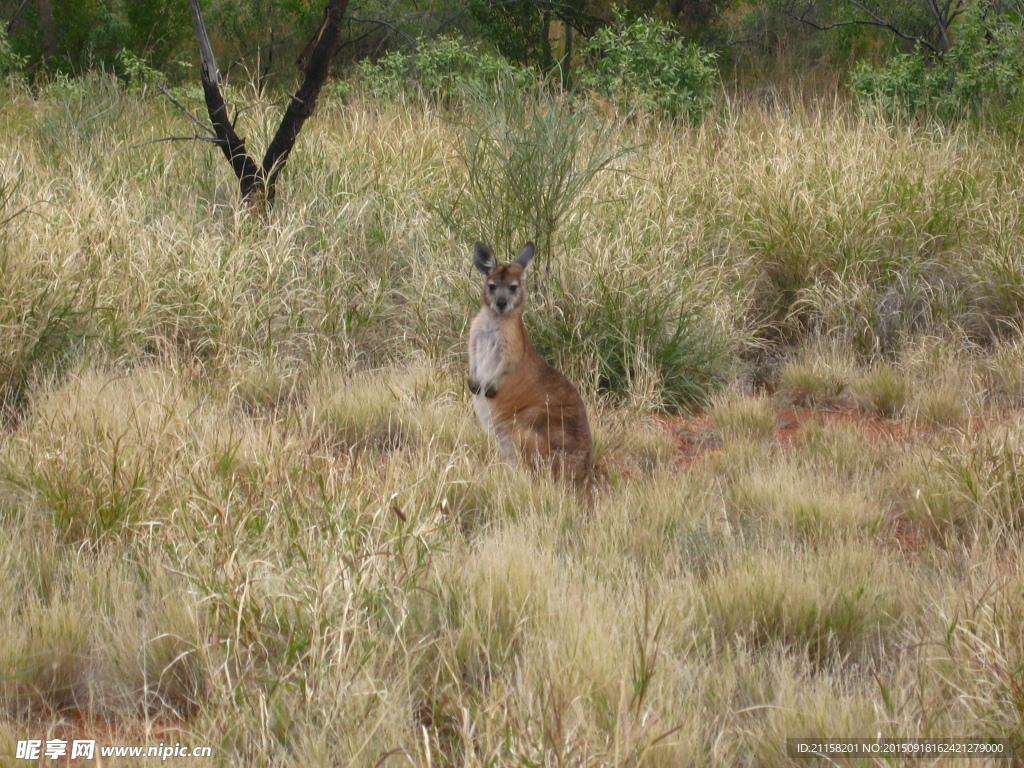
(512, 288)
(491, 287)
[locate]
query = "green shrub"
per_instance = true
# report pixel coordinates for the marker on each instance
(521, 32)
(624, 332)
(385, 78)
(446, 69)
(901, 86)
(86, 34)
(137, 71)
(643, 64)
(10, 62)
(981, 74)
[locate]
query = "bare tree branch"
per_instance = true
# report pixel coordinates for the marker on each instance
(748, 39)
(303, 103)
(874, 21)
(256, 48)
(369, 32)
(196, 137)
(182, 107)
(381, 23)
(943, 18)
(10, 24)
(940, 23)
(261, 179)
(230, 142)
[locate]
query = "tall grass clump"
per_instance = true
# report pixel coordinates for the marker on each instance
(528, 157)
(48, 326)
(825, 606)
(881, 265)
(940, 406)
(95, 469)
(1003, 373)
(45, 317)
(792, 499)
(884, 391)
(811, 384)
(738, 418)
(978, 636)
(987, 476)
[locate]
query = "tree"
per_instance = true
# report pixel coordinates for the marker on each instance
(257, 181)
(76, 35)
(522, 30)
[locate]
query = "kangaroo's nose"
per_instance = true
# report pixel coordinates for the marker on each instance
(500, 304)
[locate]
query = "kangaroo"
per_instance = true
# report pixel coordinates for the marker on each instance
(533, 411)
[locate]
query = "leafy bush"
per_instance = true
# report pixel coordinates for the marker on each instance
(88, 34)
(386, 77)
(445, 70)
(519, 31)
(10, 62)
(901, 86)
(644, 64)
(137, 71)
(981, 73)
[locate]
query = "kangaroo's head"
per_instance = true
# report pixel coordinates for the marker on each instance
(503, 285)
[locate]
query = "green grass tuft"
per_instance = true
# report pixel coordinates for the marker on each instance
(883, 391)
(811, 385)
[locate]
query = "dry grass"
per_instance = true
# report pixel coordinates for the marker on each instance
(883, 391)
(737, 417)
(242, 491)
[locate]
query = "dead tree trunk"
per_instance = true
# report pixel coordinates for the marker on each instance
(46, 30)
(257, 182)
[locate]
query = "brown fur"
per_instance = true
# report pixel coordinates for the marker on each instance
(535, 413)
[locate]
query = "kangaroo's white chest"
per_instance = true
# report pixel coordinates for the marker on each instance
(487, 350)
(486, 365)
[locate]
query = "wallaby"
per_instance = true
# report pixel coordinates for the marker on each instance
(533, 411)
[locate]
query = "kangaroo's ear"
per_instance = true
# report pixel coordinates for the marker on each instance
(483, 258)
(523, 259)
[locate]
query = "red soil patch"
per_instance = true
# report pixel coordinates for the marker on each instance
(908, 538)
(697, 437)
(791, 421)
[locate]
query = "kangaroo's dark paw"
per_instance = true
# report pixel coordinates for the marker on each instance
(474, 386)
(491, 391)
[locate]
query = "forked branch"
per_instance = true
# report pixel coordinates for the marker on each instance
(874, 20)
(259, 180)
